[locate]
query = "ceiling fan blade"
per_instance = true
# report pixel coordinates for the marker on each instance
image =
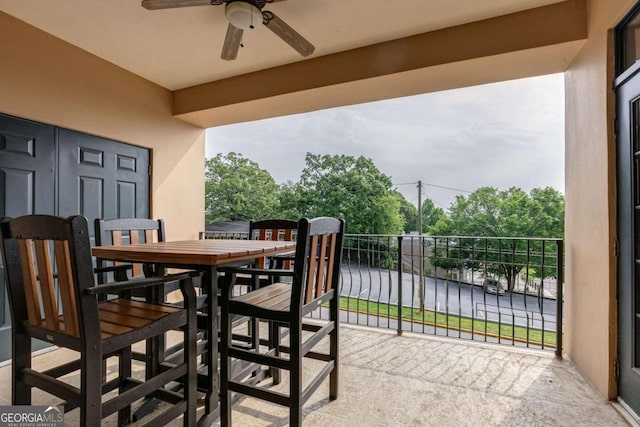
(288, 34)
(168, 4)
(231, 43)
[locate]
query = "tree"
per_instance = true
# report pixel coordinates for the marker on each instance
(488, 212)
(408, 212)
(431, 214)
(350, 188)
(291, 205)
(237, 188)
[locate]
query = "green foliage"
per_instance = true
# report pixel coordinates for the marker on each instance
(290, 202)
(431, 214)
(237, 187)
(350, 188)
(508, 213)
(408, 212)
(488, 212)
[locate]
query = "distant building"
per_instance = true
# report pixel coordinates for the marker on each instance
(226, 230)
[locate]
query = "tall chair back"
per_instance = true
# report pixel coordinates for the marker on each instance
(131, 231)
(48, 264)
(53, 297)
(315, 274)
(273, 229)
(317, 263)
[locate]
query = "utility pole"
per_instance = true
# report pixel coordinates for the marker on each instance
(420, 248)
(419, 208)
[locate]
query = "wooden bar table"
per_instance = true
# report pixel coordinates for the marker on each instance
(205, 256)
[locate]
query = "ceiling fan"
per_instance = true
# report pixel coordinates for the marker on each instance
(242, 15)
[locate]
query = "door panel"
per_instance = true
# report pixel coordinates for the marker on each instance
(27, 182)
(628, 178)
(101, 178)
(27, 165)
(48, 170)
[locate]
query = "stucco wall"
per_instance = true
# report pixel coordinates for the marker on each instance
(590, 312)
(50, 81)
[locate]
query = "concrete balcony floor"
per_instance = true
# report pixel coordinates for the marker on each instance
(413, 380)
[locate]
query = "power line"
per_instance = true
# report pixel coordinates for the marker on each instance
(437, 186)
(440, 204)
(447, 188)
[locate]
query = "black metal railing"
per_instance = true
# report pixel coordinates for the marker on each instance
(502, 290)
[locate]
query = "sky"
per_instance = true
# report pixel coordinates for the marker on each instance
(500, 135)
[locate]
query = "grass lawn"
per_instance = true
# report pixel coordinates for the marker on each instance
(450, 321)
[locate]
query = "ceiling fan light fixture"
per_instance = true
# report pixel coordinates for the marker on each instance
(243, 15)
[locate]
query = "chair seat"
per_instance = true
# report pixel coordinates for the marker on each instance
(119, 316)
(275, 297)
(250, 280)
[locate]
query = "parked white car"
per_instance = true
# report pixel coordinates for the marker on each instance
(492, 286)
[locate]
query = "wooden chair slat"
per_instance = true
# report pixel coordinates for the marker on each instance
(319, 287)
(273, 297)
(114, 329)
(265, 294)
(311, 270)
(64, 327)
(153, 307)
(30, 281)
(47, 284)
(283, 305)
(119, 319)
(330, 262)
(262, 235)
(149, 236)
(134, 239)
(140, 312)
(65, 284)
(288, 236)
(116, 237)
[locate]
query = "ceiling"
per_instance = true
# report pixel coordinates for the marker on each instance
(179, 48)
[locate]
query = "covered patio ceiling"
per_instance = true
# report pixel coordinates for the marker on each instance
(365, 49)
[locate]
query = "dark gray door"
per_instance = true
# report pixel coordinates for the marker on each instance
(27, 182)
(628, 177)
(100, 178)
(49, 170)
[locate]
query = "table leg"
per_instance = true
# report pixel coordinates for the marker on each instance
(155, 346)
(210, 282)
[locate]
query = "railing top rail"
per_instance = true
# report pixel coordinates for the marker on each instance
(430, 236)
(412, 236)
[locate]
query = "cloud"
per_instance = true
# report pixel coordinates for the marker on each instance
(502, 135)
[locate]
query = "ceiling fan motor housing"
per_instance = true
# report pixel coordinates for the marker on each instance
(242, 14)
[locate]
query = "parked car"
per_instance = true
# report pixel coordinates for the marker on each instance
(492, 286)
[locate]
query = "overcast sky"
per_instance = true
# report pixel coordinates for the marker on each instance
(501, 135)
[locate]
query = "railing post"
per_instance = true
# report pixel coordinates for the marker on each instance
(400, 285)
(559, 296)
